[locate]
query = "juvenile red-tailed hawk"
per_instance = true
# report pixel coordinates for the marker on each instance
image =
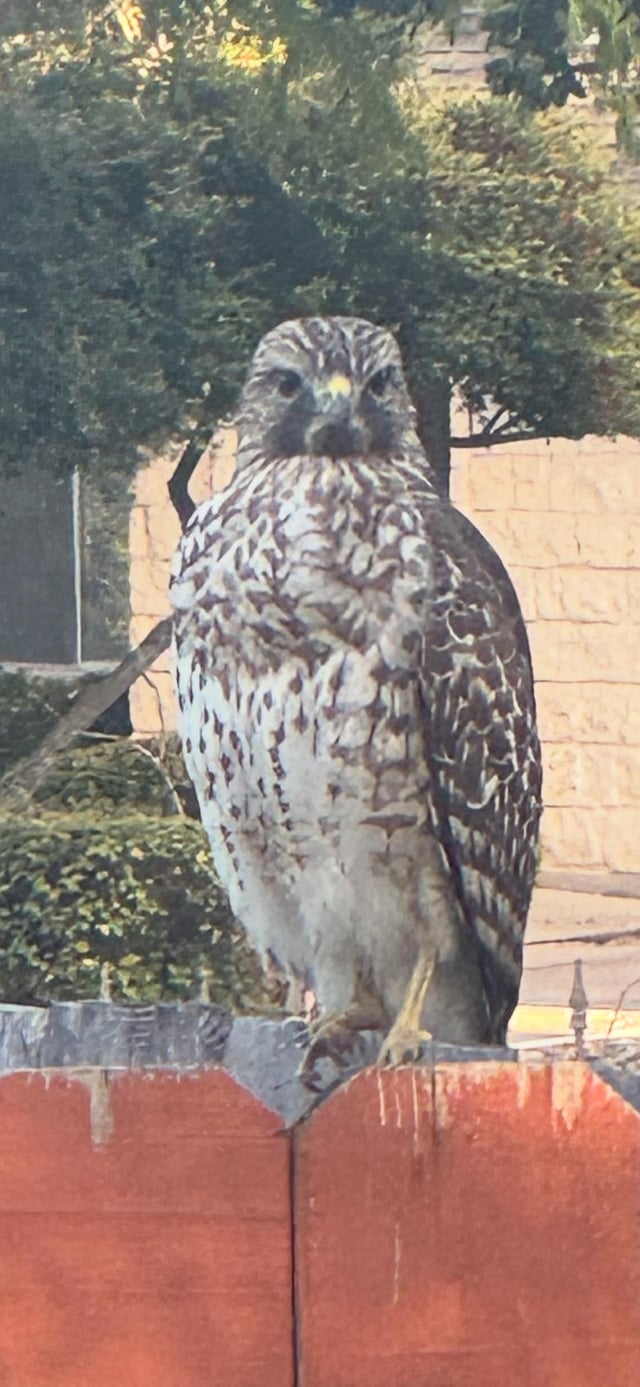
(356, 704)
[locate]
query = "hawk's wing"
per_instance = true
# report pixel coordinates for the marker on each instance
(482, 747)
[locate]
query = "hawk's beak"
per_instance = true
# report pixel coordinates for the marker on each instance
(338, 388)
(335, 399)
(334, 430)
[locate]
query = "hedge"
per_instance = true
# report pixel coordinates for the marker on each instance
(105, 778)
(136, 892)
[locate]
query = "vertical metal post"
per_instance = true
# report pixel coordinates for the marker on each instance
(579, 1003)
(77, 561)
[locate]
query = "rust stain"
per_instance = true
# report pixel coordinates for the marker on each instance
(568, 1082)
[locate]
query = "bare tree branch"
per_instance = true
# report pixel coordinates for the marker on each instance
(491, 423)
(183, 505)
(487, 439)
(94, 698)
(620, 1003)
(608, 936)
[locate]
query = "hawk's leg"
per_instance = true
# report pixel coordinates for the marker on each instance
(332, 1036)
(300, 1000)
(288, 992)
(406, 1038)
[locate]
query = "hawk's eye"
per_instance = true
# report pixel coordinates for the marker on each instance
(287, 383)
(379, 382)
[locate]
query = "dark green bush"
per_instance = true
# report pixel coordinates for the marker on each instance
(104, 777)
(137, 893)
(168, 751)
(29, 708)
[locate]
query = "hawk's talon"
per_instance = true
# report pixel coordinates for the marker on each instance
(310, 1072)
(329, 1046)
(403, 1047)
(335, 1038)
(405, 1041)
(299, 1028)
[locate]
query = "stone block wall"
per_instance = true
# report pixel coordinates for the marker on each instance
(154, 532)
(565, 518)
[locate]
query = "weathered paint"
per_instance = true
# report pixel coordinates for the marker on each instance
(145, 1233)
(471, 1226)
(455, 1226)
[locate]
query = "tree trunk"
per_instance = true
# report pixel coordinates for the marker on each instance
(433, 404)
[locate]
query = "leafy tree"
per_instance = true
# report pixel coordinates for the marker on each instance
(180, 176)
(536, 63)
(551, 50)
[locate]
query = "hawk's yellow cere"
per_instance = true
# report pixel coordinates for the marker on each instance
(339, 385)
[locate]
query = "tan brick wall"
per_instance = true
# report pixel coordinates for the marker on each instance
(565, 518)
(154, 532)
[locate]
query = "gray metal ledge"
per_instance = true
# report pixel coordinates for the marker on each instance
(261, 1053)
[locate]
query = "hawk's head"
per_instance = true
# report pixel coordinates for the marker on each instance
(329, 387)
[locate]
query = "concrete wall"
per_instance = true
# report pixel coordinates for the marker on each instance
(565, 517)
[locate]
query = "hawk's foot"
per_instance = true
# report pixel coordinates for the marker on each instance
(406, 1038)
(403, 1045)
(332, 1038)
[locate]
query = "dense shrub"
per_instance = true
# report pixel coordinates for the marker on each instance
(105, 777)
(168, 751)
(31, 704)
(136, 892)
(106, 869)
(29, 708)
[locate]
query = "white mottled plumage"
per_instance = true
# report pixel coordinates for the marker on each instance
(356, 700)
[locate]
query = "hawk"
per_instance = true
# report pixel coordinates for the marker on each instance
(357, 706)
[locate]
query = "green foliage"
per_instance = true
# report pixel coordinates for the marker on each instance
(105, 778)
(538, 274)
(536, 66)
(556, 49)
(105, 869)
(170, 190)
(136, 893)
(29, 708)
(114, 875)
(112, 216)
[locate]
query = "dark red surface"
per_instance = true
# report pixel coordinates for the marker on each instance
(475, 1228)
(156, 1254)
(470, 1228)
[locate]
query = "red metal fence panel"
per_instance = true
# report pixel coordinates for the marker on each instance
(454, 1227)
(144, 1233)
(467, 1226)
